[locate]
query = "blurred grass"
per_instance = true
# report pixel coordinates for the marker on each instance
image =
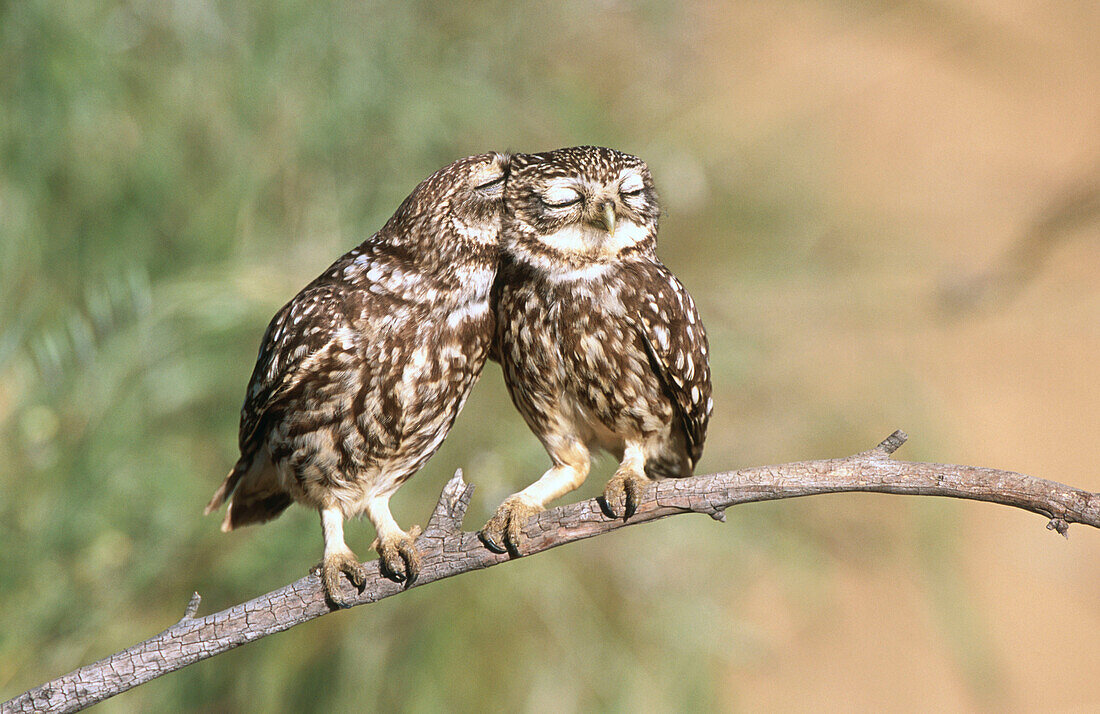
(171, 173)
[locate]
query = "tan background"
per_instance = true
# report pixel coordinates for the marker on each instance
(952, 131)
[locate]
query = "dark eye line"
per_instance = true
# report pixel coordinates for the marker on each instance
(494, 182)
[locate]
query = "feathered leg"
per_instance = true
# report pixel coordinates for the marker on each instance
(624, 491)
(338, 558)
(504, 531)
(396, 548)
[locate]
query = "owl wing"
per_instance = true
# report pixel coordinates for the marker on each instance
(676, 344)
(292, 346)
(291, 350)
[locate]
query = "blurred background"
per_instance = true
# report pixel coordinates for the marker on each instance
(889, 213)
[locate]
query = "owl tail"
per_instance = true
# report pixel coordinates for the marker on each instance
(256, 494)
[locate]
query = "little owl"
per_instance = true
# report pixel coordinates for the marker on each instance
(601, 345)
(360, 376)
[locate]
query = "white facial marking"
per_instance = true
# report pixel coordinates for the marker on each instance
(560, 195)
(593, 241)
(631, 182)
(553, 271)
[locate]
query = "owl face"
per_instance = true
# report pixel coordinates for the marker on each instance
(581, 203)
(480, 191)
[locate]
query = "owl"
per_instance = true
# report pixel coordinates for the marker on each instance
(360, 377)
(601, 346)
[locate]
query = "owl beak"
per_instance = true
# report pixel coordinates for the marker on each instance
(607, 217)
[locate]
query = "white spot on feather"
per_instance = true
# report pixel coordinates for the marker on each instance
(661, 333)
(466, 312)
(345, 337)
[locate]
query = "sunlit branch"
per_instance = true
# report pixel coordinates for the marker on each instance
(448, 550)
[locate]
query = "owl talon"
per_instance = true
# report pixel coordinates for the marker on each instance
(330, 569)
(491, 540)
(398, 556)
(504, 531)
(623, 494)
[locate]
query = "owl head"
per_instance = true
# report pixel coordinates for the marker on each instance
(479, 191)
(459, 204)
(580, 204)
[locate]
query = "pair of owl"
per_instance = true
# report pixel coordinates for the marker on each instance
(545, 262)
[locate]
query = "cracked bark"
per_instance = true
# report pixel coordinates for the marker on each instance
(448, 550)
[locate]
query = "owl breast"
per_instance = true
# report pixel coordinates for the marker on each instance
(573, 362)
(383, 393)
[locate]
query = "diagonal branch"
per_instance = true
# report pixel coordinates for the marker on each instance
(448, 550)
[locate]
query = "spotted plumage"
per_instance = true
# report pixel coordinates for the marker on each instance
(600, 344)
(360, 377)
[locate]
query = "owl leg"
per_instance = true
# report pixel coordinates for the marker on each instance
(504, 531)
(400, 560)
(624, 491)
(338, 558)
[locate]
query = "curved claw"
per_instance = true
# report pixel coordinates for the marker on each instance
(504, 531)
(399, 557)
(330, 570)
(623, 493)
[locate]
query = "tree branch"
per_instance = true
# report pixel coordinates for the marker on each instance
(448, 550)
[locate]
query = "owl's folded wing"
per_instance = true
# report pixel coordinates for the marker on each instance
(676, 343)
(293, 347)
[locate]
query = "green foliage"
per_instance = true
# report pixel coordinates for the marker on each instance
(170, 174)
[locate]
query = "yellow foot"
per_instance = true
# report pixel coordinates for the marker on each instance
(398, 556)
(504, 531)
(623, 493)
(344, 562)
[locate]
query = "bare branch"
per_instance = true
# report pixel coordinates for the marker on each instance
(448, 550)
